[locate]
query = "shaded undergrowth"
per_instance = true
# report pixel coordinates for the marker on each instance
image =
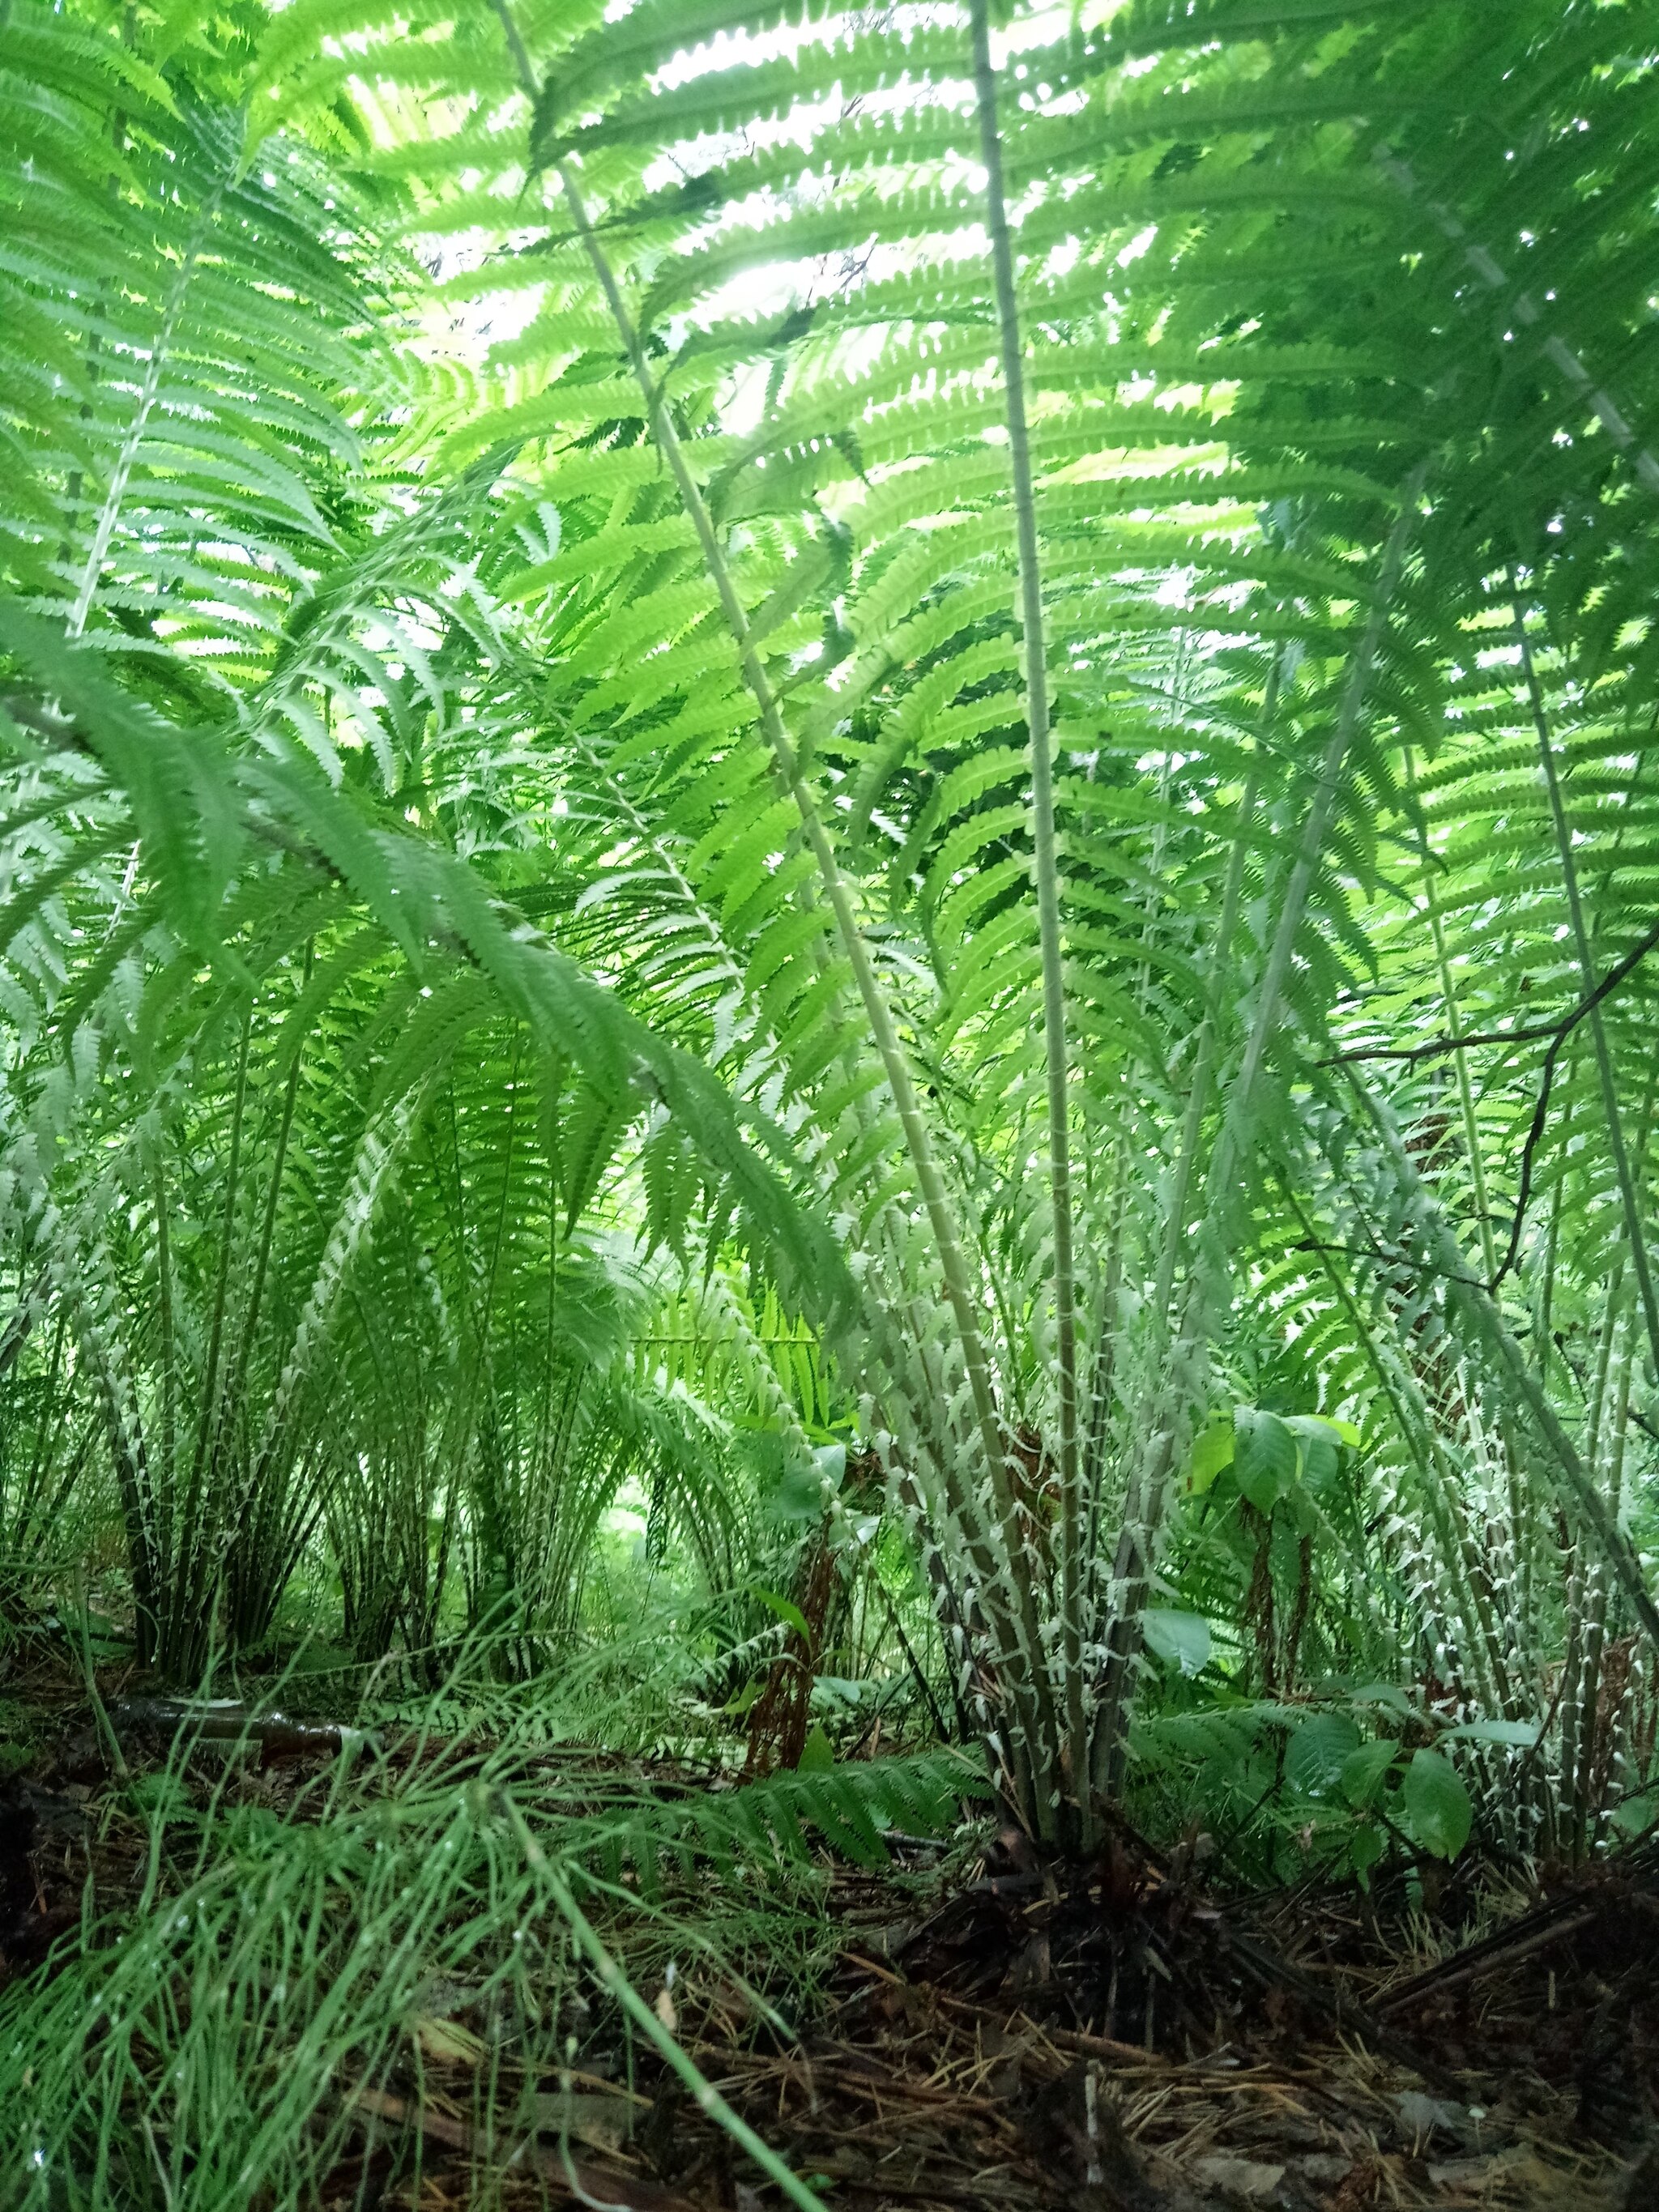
(443, 1966)
(259, 1947)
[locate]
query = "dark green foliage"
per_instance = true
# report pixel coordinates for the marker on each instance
(520, 835)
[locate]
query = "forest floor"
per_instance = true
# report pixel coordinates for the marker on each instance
(1001, 2038)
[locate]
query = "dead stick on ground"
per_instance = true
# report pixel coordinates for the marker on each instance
(588, 2183)
(1452, 1973)
(1063, 2038)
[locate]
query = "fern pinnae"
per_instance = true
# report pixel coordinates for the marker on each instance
(1029, 1680)
(1145, 1510)
(1634, 1232)
(1574, 1478)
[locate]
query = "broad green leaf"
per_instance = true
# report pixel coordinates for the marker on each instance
(1321, 1439)
(1437, 1805)
(1518, 1735)
(830, 1462)
(1366, 1846)
(1265, 1456)
(1363, 1772)
(1181, 1639)
(798, 1497)
(1213, 1450)
(1637, 1815)
(817, 1753)
(1318, 1459)
(1325, 1425)
(785, 1609)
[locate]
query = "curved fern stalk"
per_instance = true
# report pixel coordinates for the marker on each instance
(1328, 790)
(1588, 1603)
(1453, 1025)
(1102, 1379)
(1146, 1505)
(1585, 1805)
(150, 390)
(1437, 1248)
(1476, 1173)
(1406, 1389)
(165, 1295)
(1204, 1058)
(198, 1581)
(273, 1198)
(378, 1151)
(1028, 1682)
(84, 1273)
(1555, 349)
(1616, 1144)
(1105, 1750)
(1520, 1554)
(1046, 870)
(739, 1330)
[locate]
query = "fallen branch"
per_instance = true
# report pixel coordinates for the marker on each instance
(277, 1737)
(1063, 2038)
(1559, 1030)
(606, 2185)
(1503, 1951)
(1534, 1931)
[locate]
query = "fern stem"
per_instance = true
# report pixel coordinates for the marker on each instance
(1614, 1373)
(186, 1579)
(1144, 1508)
(1520, 1554)
(1198, 1098)
(1627, 1197)
(169, 1345)
(273, 1198)
(1440, 1249)
(1327, 792)
(1404, 1387)
(1046, 873)
(1403, 1392)
(148, 391)
(1113, 1710)
(1453, 1024)
(1574, 1677)
(1555, 349)
(1102, 1379)
(876, 1010)
(1029, 1685)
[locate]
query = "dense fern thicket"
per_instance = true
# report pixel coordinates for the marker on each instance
(829, 845)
